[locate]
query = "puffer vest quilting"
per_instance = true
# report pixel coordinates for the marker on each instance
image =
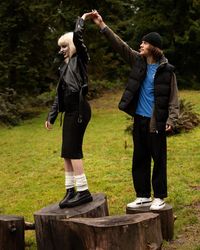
(130, 96)
(162, 87)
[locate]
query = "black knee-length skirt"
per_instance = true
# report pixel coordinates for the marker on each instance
(73, 130)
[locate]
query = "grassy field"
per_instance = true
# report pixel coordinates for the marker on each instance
(31, 170)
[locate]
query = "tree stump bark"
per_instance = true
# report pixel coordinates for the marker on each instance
(122, 232)
(49, 231)
(166, 219)
(11, 232)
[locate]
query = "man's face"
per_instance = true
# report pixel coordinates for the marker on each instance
(64, 49)
(145, 49)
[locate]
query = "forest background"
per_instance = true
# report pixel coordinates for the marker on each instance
(29, 33)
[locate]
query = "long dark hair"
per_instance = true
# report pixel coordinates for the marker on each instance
(156, 53)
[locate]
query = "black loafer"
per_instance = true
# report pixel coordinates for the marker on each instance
(69, 195)
(80, 198)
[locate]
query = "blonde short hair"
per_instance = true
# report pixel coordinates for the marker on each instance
(67, 38)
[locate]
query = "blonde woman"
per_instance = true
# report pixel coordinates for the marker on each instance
(70, 99)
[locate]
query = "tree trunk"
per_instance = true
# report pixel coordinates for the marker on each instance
(122, 232)
(11, 232)
(166, 219)
(49, 231)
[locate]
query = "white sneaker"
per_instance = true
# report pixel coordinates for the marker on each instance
(140, 202)
(157, 204)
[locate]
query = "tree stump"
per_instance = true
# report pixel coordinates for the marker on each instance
(166, 219)
(49, 231)
(122, 232)
(11, 232)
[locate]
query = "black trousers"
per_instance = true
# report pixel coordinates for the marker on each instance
(148, 146)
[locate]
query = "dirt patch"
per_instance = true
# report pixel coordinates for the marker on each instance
(189, 238)
(195, 187)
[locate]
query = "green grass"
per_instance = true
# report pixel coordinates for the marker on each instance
(31, 170)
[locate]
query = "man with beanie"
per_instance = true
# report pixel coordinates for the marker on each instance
(151, 97)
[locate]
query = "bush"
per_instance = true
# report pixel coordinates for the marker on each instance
(15, 108)
(46, 98)
(188, 119)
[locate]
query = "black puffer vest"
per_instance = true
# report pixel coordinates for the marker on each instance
(162, 87)
(129, 99)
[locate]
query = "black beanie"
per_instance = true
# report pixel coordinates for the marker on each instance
(154, 39)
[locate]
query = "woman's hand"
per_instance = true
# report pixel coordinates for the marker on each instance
(94, 15)
(48, 125)
(87, 15)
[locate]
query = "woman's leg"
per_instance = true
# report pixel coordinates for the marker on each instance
(80, 177)
(83, 195)
(69, 174)
(69, 183)
(68, 165)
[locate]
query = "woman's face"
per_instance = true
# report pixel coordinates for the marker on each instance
(64, 49)
(145, 49)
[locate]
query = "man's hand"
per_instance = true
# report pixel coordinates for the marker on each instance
(98, 19)
(168, 128)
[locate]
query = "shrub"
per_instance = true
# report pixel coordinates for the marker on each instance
(46, 98)
(188, 119)
(15, 108)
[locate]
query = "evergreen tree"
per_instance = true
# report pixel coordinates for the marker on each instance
(27, 42)
(29, 33)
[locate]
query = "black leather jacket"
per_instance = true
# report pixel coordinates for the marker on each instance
(75, 73)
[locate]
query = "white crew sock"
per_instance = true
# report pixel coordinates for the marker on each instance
(81, 182)
(69, 180)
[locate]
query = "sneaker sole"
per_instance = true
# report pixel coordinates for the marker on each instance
(147, 204)
(158, 208)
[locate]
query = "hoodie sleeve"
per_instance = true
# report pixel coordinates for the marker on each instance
(125, 51)
(173, 103)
